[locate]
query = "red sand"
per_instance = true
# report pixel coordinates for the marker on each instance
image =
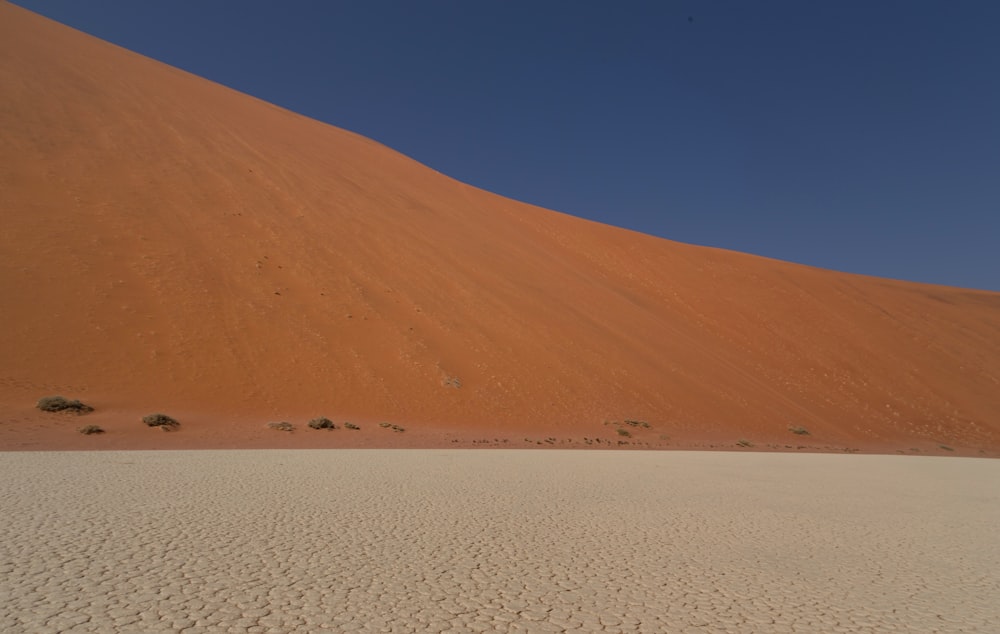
(172, 245)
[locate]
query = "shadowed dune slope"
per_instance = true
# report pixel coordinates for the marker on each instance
(168, 243)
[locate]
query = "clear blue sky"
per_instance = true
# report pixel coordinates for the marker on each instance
(858, 136)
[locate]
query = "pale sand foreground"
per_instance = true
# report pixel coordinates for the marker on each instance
(543, 541)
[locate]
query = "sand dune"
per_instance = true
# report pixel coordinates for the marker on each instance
(170, 244)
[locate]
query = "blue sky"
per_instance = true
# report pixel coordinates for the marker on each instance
(857, 136)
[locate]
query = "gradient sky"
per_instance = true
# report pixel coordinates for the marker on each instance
(857, 136)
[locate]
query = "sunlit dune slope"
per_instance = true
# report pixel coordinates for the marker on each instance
(168, 243)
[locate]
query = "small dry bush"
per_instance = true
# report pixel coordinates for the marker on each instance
(637, 423)
(282, 426)
(322, 423)
(351, 426)
(801, 431)
(62, 404)
(160, 420)
(87, 430)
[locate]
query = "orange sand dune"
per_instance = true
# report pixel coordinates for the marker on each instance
(172, 245)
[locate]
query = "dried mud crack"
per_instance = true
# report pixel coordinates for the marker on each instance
(483, 541)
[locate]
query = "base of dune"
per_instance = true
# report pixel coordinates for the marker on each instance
(480, 541)
(27, 429)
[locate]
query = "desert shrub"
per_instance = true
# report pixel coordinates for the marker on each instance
(322, 423)
(384, 424)
(87, 430)
(62, 404)
(282, 426)
(801, 431)
(160, 420)
(637, 423)
(624, 432)
(351, 426)
(743, 442)
(946, 447)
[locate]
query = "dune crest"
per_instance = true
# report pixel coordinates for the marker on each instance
(171, 244)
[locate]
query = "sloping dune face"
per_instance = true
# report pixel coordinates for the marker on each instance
(168, 243)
